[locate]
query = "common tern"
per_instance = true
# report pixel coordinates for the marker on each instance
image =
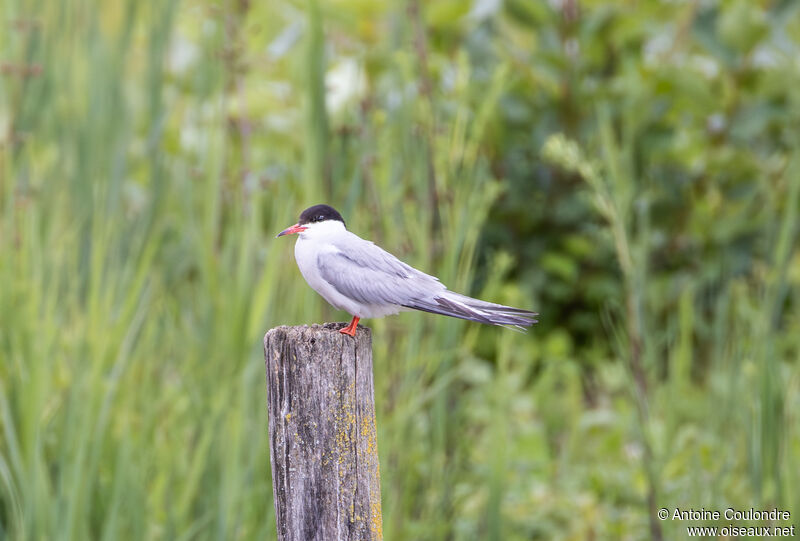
(359, 277)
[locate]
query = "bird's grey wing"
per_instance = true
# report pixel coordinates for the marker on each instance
(368, 274)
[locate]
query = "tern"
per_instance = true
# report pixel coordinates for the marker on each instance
(359, 277)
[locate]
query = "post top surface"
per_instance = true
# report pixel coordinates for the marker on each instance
(306, 330)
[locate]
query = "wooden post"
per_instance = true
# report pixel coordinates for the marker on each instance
(323, 443)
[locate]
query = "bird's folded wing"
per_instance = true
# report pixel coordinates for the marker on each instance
(368, 274)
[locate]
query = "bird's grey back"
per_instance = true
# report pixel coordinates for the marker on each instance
(369, 274)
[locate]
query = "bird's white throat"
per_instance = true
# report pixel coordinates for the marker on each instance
(321, 230)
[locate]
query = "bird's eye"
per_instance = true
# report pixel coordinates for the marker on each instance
(320, 218)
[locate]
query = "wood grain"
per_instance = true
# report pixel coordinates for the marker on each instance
(323, 442)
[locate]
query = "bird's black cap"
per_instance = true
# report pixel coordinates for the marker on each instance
(319, 213)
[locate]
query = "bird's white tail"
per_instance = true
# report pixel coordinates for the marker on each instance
(453, 304)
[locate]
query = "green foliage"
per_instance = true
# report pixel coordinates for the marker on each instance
(629, 170)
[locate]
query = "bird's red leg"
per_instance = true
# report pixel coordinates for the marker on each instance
(351, 329)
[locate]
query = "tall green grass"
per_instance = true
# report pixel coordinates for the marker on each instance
(151, 151)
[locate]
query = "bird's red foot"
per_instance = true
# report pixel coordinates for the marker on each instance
(351, 329)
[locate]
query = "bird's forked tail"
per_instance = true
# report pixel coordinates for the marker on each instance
(453, 304)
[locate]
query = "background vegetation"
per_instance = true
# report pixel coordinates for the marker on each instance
(629, 169)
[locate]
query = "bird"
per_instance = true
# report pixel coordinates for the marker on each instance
(363, 279)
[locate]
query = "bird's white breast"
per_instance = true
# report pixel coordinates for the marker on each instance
(316, 242)
(306, 253)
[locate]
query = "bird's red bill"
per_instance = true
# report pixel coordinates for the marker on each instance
(296, 228)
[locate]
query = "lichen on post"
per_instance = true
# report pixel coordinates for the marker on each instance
(323, 441)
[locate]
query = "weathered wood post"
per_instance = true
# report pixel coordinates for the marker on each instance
(323, 443)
